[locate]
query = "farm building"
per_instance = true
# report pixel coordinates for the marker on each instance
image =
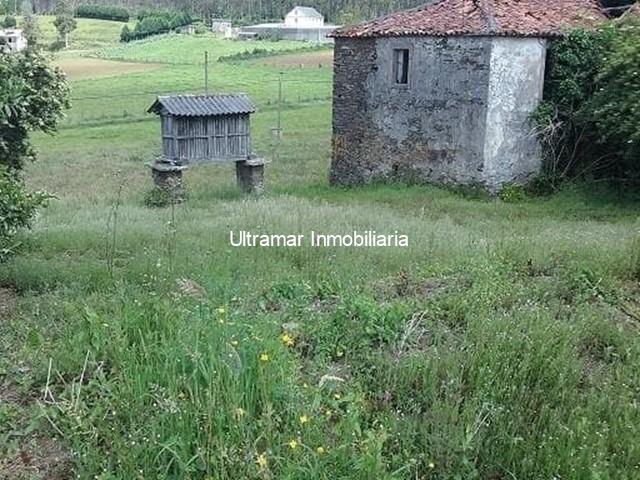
(443, 93)
(200, 128)
(12, 40)
(303, 24)
(222, 26)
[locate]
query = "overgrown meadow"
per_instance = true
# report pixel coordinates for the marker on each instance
(502, 344)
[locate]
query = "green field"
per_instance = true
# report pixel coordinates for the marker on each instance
(502, 344)
(90, 34)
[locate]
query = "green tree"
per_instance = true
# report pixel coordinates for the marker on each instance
(589, 121)
(64, 22)
(615, 106)
(9, 22)
(33, 97)
(31, 29)
(125, 34)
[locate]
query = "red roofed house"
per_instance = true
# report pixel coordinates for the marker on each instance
(443, 93)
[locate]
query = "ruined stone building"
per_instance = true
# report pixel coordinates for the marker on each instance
(443, 93)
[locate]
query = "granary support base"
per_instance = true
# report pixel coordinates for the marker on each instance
(250, 175)
(167, 179)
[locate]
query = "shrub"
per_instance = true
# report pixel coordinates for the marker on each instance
(589, 119)
(17, 209)
(154, 23)
(102, 12)
(125, 34)
(200, 28)
(31, 29)
(9, 22)
(512, 193)
(615, 104)
(33, 96)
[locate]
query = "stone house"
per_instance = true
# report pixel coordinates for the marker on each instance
(12, 40)
(443, 93)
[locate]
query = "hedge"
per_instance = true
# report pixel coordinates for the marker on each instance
(154, 23)
(102, 12)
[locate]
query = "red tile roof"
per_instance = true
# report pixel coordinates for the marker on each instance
(529, 18)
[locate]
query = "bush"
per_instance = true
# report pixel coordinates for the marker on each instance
(512, 193)
(615, 105)
(33, 96)
(102, 12)
(9, 22)
(200, 28)
(17, 209)
(589, 121)
(154, 23)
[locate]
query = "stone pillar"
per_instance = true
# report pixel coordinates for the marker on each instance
(167, 178)
(250, 175)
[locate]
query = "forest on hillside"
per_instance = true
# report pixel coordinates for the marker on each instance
(337, 11)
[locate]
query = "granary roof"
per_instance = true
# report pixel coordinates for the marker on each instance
(307, 12)
(203, 105)
(520, 18)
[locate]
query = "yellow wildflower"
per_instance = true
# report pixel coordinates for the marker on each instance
(337, 396)
(293, 444)
(221, 310)
(262, 461)
(234, 343)
(287, 340)
(264, 357)
(328, 412)
(431, 465)
(303, 419)
(320, 450)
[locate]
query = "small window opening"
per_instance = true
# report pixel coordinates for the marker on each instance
(401, 66)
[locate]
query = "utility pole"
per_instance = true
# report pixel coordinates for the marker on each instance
(206, 72)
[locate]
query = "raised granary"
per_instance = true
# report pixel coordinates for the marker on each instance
(204, 128)
(443, 93)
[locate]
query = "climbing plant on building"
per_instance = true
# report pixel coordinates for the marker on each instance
(589, 121)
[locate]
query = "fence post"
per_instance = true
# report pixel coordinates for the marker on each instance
(206, 72)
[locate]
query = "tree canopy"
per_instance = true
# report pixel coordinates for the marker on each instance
(33, 96)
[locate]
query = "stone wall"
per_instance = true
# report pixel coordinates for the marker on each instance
(434, 129)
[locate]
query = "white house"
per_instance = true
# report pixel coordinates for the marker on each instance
(304, 17)
(12, 40)
(302, 24)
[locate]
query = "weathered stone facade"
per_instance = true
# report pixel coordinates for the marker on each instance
(462, 116)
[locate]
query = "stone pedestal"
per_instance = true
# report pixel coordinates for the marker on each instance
(250, 175)
(167, 178)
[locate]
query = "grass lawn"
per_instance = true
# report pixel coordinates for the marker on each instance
(89, 34)
(502, 343)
